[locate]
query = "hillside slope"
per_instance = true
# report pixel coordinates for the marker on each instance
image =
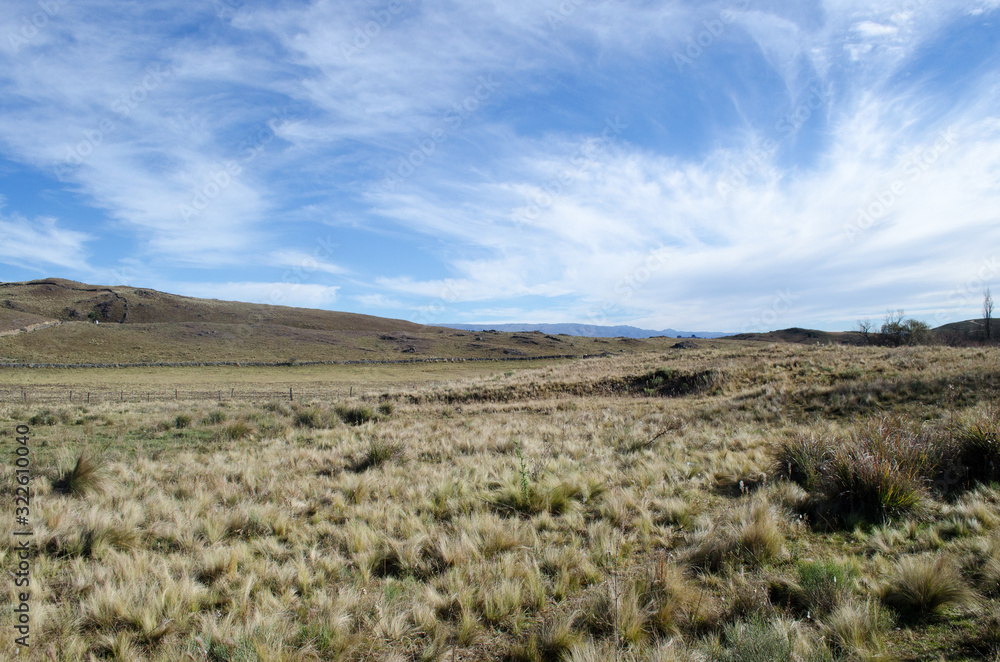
(143, 325)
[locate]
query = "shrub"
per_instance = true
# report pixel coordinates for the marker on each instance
(386, 409)
(923, 585)
(182, 421)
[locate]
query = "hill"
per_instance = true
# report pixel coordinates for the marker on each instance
(52, 321)
(803, 337)
(589, 330)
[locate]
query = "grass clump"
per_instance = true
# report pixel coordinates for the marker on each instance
(182, 421)
(237, 430)
(976, 452)
(379, 452)
(753, 538)
(825, 584)
(921, 586)
(215, 417)
(86, 477)
(881, 472)
(856, 628)
(551, 644)
(802, 459)
(758, 640)
(358, 415)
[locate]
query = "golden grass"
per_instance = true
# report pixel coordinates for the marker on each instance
(530, 516)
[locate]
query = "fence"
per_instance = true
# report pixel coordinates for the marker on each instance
(95, 396)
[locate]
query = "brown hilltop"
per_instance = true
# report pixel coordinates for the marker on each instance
(51, 321)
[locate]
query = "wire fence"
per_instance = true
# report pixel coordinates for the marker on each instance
(58, 394)
(54, 395)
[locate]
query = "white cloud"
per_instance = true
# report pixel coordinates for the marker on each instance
(41, 244)
(873, 29)
(277, 294)
(302, 263)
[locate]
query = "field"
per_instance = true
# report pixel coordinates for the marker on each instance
(726, 501)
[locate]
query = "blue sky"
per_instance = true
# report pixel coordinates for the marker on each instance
(736, 165)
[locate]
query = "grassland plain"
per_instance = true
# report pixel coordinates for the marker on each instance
(734, 501)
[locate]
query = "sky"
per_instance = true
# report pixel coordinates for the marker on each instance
(742, 165)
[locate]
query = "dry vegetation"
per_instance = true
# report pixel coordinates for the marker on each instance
(761, 502)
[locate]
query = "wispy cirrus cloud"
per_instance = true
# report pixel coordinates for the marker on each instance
(224, 144)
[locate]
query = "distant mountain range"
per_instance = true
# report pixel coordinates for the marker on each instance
(589, 330)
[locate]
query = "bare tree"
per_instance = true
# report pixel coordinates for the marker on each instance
(865, 328)
(987, 312)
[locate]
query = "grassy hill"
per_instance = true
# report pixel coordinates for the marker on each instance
(803, 337)
(143, 325)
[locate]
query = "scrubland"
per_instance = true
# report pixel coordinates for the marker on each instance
(728, 502)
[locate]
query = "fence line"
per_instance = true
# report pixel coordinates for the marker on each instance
(98, 395)
(276, 364)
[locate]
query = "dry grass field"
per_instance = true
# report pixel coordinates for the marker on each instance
(734, 501)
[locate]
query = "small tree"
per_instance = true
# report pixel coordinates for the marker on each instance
(865, 328)
(987, 312)
(916, 332)
(893, 331)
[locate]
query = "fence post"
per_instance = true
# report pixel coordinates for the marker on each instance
(88, 397)
(290, 396)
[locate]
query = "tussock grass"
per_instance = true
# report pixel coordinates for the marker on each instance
(86, 477)
(858, 627)
(752, 537)
(546, 516)
(921, 586)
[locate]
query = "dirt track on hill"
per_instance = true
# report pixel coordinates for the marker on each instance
(31, 327)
